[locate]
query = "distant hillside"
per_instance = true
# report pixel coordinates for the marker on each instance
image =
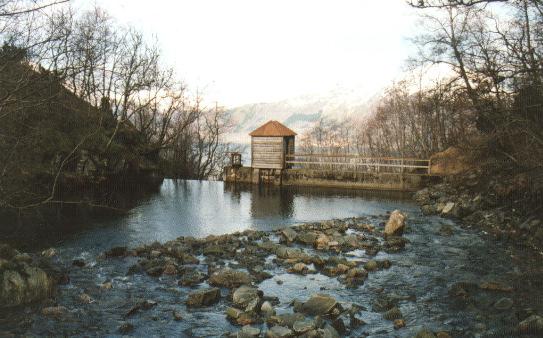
(299, 113)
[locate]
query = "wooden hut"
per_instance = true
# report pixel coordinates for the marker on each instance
(270, 144)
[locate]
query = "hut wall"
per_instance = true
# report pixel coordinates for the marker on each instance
(290, 145)
(267, 152)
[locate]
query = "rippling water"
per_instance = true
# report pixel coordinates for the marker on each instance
(424, 272)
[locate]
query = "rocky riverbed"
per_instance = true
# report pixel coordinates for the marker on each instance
(379, 276)
(463, 200)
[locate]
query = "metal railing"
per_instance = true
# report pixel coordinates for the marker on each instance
(356, 163)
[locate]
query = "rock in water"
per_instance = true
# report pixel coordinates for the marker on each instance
(204, 297)
(371, 265)
(244, 295)
(85, 298)
(233, 314)
(248, 331)
(448, 208)
(396, 224)
(319, 305)
(299, 268)
(424, 333)
(329, 332)
(27, 285)
(279, 332)
(399, 323)
(302, 326)
(504, 303)
(51, 252)
(177, 316)
(267, 309)
(321, 243)
(393, 314)
(126, 328)
(229, 278)
(307, 238)
(532, 325)
(289, 234)
(117, 251)
(53, 311)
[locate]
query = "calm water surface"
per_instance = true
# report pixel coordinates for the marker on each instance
(202, 208)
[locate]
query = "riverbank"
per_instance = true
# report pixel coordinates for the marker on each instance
(487, 203)
(332, 278)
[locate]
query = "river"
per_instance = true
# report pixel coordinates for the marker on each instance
(421, 276)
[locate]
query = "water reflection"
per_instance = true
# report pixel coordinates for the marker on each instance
(267, 202)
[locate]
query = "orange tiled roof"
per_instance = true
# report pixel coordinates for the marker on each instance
(272, 128)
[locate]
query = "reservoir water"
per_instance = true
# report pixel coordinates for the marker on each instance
(202, 208)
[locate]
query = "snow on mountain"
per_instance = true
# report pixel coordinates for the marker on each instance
(299, 113)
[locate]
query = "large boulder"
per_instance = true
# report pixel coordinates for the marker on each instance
(245, 295)
(395, 224)
(289, 235)
(532, 325)
(319, 304)
(230, 278)
(286, 252)
(203, 297)
(307, 237)
(20, 281)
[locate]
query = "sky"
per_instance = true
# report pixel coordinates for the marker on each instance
(246, 51)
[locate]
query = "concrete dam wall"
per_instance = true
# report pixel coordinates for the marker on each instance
(327, 178)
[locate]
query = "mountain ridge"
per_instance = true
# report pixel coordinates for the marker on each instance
(299, 113)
